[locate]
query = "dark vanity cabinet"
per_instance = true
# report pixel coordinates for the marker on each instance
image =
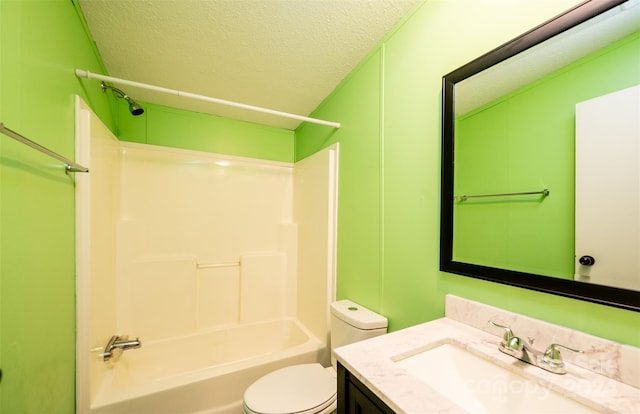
(355, 398)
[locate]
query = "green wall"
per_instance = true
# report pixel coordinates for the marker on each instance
(41, 42)
(524, 142)
(171, 127)
(390, 108)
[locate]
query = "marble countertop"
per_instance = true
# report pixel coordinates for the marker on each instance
(372, 362)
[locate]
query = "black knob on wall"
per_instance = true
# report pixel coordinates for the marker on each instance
(587, 261)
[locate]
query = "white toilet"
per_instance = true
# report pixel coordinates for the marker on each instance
(311, 388)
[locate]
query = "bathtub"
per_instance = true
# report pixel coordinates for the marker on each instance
(205, 373)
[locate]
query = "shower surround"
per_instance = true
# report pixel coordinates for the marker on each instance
(201, 256)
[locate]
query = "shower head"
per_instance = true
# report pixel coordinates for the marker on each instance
(134, 108)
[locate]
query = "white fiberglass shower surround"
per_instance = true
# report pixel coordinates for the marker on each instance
(223, 266)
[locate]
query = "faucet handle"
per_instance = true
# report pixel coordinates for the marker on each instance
(508, 332)
(510, 344)
(552, 359)
(552, 352)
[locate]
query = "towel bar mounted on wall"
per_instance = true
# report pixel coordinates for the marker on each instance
(544, 193)
(70, 166)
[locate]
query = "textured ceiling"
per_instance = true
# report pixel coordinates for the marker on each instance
(547, 57)
(286, 55)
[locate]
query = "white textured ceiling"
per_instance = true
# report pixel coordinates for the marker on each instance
(547, 57)
(286, 55)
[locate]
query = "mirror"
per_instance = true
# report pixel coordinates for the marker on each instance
(509, 197)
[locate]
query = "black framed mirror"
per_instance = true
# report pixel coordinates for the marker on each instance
(508, 207)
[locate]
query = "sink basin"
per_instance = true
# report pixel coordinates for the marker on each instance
(479, 386)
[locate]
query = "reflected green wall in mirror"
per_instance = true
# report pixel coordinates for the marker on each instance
(525, 142)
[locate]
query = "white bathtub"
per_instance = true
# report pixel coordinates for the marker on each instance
(203, 373)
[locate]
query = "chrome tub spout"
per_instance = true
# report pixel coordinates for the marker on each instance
(117, 345)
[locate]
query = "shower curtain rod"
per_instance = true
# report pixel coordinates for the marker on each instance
(86, 74)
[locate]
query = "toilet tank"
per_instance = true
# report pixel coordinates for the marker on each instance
(351, 322)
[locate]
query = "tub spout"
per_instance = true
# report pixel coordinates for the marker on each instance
(118, 344)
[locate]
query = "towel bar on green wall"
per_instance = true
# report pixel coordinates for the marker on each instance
(544, 193)
(70, 166)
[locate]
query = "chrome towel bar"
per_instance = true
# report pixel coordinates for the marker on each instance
(544, 193)
(70, 166)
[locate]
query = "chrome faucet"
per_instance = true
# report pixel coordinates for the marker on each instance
(550, 360)
(117, 345)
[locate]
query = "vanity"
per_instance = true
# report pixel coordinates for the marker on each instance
(454, 365)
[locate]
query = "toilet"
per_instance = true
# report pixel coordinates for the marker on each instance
(312, 388)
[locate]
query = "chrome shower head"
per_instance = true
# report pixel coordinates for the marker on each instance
(134, 108)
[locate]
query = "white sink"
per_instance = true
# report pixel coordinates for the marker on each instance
(479, 386)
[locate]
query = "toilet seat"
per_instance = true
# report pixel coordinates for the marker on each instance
(299, 389)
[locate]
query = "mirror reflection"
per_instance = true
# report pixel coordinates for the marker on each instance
(546, 178)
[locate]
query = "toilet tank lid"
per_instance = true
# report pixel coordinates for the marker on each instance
(357, 315)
